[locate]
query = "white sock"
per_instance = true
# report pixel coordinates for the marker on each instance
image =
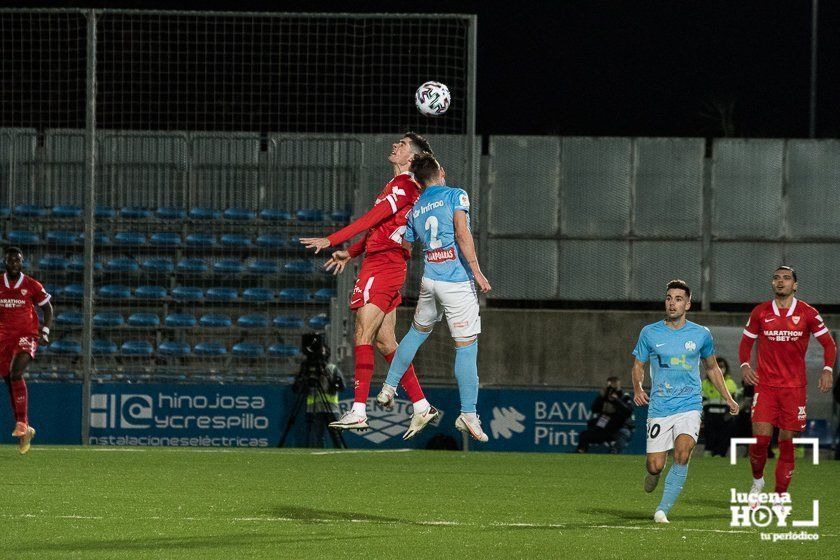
(759, 481)
(360, 407)
(469, 415)
(421, 406)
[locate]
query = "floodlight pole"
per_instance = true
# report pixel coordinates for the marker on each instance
(812, 102)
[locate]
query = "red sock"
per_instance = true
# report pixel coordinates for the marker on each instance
(784, 466)
(364, 371)
(20, 400)
(758, 455)
(409, 381)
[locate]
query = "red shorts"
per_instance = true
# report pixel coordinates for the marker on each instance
(12, 346)
(783, 407)
(380, 281)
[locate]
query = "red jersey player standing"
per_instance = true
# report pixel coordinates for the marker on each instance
(20, 335)
(782, 327)
(376, 294)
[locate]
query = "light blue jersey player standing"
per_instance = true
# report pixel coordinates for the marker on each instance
(440, 218)
(674, 348)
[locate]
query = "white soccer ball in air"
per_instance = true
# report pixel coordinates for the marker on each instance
(432, 99)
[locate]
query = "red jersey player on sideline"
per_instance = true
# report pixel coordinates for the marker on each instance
(20, 336)
(783, 327)
(376, 294)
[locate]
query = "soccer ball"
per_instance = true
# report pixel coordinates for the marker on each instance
(432, 99)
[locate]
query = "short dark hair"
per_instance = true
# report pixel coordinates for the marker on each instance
(790, 268)
(419, 143)
(613, 379)
(677, 284)
(12, 250)
(425, 168)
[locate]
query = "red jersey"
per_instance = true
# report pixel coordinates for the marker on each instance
(783, 336)
(385, 223)
(17, 306)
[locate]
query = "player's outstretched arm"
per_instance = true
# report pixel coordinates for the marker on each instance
(640, 396)
(716, 377)
(371, 218)
(464, 238)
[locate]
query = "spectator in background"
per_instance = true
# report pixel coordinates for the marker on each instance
(611, 419)
(718, 424)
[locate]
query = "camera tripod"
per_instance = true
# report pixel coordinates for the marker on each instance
(311, 387)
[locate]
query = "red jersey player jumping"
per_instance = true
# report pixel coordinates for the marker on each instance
(782, 327)
(20, 335)
(376, 294)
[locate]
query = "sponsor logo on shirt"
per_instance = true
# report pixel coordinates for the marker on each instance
(783, 336)
(440, 255)
(429, 207)
(12, 302)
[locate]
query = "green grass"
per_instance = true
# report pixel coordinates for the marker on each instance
(64, 502)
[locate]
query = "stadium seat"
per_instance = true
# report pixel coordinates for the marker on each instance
(137, 348)
(104, 213)
(187, 293)
(180, 320)
(295, 295)
(67, 211)
(160, 265)
(222, 294)
(280, 350)
(171, 213)
(122, 265)
(258, 295)
(342, 216)
(204, 214)
(228, 266)
(261, 266)
(299, 267)
(31, 211)
(150, 292)
(77, 264)
(5, 211)
(288, 322)
(101, 347)
(319, 322)
(53, 263)
(310, 215)
(73, 291)
(63, 238)
(201, 240)
(99, 238)
(239, 214)
(108, 319)
(144, 320)
(248, 350)
(23, 238)
(135, 213)
(192, 266)
(173, 348)
(65, 347)
(210, 349)
(70, 319)
(271, 240)
(253, 321)
(115, 291)
(236, 240)
(274, 215)
(165, 239)
(130, 238)
(325, 294)
(215, 321)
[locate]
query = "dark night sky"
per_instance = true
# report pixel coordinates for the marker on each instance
(640, 68)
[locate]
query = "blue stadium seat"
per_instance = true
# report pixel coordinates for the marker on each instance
(135, 213)
(280, 350)
(240, 214)
(49, 262)
(150, 292)
(258, 294)
(187, 293)
(192, 266)
(310, 215)
(319, 322)
(23, 238)
(104, 213)
(228, 266)
(288, 322)
(115, 291)
(122, 264)
(299, 267)
(236, 240)
(63, 238)
(201, 240)
(5, 211)
(271, 240)
(204, 214)
(210, 349)
(274, 215)
(325, 294)
(173, 348)
(31, 211)
(99, 238)
(171, 213)
(165, 239)
(342, 216)
(295, 295)
(261, 266)
(103, 347)
(144, 320)
(73, 291)
(222, 294)
(66, 347)
(70, 319)
(108, 319)
(137, 348)
(77, 264)
(66, 211)
(130, 238)
(248, 350)
(160, 265)
(215, 321)
(253, 321)
(180, 320)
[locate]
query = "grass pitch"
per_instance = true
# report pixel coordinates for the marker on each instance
(91, 503)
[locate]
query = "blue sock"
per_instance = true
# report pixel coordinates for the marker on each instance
(466, 372)
(406, 351)
(674, 483)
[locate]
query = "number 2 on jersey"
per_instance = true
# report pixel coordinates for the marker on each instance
(432, 224)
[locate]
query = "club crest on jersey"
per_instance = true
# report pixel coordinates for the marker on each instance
(691, 346)
(795, 319)
(24, 291)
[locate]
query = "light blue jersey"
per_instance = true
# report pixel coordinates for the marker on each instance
(674, 357)
(433, 220)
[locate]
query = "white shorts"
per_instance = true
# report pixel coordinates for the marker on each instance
(663, 432)
(457, 300)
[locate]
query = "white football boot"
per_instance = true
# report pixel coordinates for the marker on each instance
(471, 426)
(350, 420)
(660, 517)
(25, 440)
(756, 489)
(385, 398)
(420, 420)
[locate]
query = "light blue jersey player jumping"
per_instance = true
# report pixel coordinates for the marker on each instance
(440, 219)
(674, 348)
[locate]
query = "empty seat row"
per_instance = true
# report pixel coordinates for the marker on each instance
(195, 294)
(159, 239)
(65, 211)
(166, 265)
(113, 319)
(172, 348)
